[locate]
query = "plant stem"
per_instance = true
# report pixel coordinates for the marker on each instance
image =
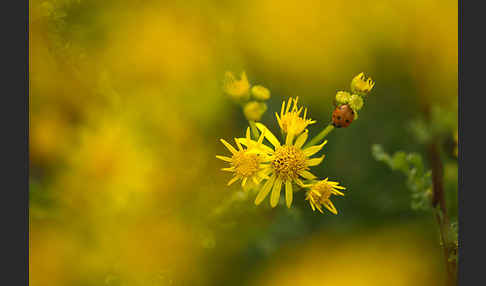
(439, 204)
(254, 129)
(320, 136)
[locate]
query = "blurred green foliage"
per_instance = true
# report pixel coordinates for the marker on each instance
(419, 180)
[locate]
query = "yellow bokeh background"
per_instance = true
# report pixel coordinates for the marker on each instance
(126, 112)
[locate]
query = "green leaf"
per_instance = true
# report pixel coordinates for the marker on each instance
(411, 165)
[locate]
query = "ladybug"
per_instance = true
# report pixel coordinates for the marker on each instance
(342, 116)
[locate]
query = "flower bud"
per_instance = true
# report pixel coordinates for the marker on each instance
(260, 92)
(361, 85)
(254, 110)
(356, 102)
(343, 97)
(239, 90)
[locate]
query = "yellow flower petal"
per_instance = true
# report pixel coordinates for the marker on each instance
(307, 175)
(224, 158)
(315, 161)
(268, 134)
(329, 205)
(289, 138)
(288, 193)
(230, 148)
(301, 139)
(238, 144)
(276, 193)
(336, 192)
(314, 149)
(264, 190)
(233, 180)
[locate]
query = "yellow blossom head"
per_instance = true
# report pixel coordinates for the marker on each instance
(288, 163)
(320, 193)
(254, 110)
(245, 163)
(239, 90)
(356, 102)
(260, 92)
(343, 97)
(290, 120)
(361, 85)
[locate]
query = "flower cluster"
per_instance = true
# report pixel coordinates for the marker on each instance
(252, 98)
(282, 165)
(360, 87)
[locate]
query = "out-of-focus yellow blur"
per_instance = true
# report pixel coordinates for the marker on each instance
(380, 257)
(127, 110)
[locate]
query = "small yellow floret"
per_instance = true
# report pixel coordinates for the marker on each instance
(356, 102)
(260, 92)
(343, 97)
(290, 120)
(361, 85)
(239, 90)
(245, 163)
(320, 193)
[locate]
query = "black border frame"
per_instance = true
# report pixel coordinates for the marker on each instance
(15, 212)
(471, 62)
(15, 121)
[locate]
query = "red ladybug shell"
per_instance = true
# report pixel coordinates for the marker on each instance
(342, 116)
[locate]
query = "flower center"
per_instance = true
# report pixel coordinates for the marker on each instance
(245, 164)
(288, 162)
(324, 189)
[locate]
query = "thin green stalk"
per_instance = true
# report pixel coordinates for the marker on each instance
(254, 129)
(316, 140)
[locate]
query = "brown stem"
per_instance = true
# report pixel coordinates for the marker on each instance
(439, 204)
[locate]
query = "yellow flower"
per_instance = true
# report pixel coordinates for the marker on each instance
(355, 102)
(237, 89)
(246, 163)
(290, 120)
(254, 110)
(320, 193)
(343, 97)
(256, 146)
(260, 92)
(361, 85)
(287, 164)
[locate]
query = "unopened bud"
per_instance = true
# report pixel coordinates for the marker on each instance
(356, 102)
(260, 92)
(254, 110)
(343, 97)
(239, 90)
(361, 85)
